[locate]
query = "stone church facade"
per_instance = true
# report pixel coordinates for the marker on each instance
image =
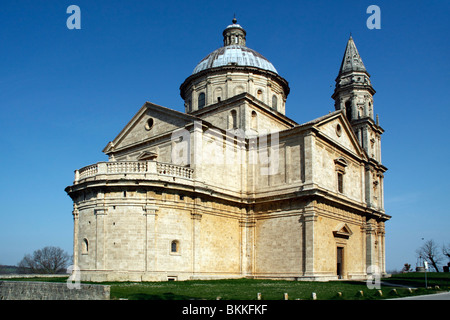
(234, 188)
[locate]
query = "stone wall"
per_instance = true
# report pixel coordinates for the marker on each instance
(34, 290)
(279, 246)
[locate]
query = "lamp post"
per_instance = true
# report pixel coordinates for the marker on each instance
(425, 265)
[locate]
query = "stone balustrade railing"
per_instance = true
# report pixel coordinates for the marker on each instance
(173, 170)
(133, 167)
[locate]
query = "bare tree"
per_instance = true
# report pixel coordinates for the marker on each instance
(49, 260)
(446, 250)
(430, 252)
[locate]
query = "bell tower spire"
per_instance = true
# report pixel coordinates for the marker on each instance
(353, 95)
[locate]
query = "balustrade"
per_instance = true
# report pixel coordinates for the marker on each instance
(133, 167)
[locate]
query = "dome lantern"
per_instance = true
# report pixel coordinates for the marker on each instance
(234, 34)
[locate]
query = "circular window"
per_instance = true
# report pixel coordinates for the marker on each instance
(149, 124)
(338, 130)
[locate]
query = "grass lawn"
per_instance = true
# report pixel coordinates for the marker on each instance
(247, 289)
(417, 279)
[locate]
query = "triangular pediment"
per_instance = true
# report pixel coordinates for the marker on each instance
(150, 122)
(342, 231)
(337, 129)
(147, 155)
(217, 113)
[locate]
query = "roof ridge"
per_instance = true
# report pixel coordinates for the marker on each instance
(316, 120)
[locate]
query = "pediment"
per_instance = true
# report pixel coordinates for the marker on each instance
(147, 155)
(336, 128)
(150, 122)
(342, 231)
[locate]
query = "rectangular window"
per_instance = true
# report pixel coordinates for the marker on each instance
(340, 180)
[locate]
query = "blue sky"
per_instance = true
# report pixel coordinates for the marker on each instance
(64, 94)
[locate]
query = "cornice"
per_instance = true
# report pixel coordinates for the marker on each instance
(197, 189)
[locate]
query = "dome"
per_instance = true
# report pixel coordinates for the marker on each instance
(234, 55)
(234, 52)
(232, 70)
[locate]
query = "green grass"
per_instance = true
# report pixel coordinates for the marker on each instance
(247, 289)
(417, 279)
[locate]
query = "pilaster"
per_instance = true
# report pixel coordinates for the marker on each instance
(309, 219)
(309, 156)
(75, 214)
(247, 227)
(150, 249)
(381, 248)
(371, 254)
(196, 149)
(100, 214)
(368, 177)
(196, 218)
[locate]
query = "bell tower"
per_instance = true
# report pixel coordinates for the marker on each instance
(354, 95)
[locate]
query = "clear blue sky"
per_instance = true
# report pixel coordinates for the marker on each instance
(64, 94)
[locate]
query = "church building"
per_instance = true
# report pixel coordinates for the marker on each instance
(232, 187)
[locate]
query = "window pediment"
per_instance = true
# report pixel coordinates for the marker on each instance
(340, 164)
(342, 231)
(147, 156)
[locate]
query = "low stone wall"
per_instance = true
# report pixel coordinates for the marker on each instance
(32, 275)
(34, 290)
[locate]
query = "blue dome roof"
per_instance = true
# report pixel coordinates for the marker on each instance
(234, 55)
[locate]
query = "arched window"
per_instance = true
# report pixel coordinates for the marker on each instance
(254, 121)
(174, 246)
(259, 94)
(201, 100)
(232, 120)
(85, 246)
(274, 102)
(348, 109)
